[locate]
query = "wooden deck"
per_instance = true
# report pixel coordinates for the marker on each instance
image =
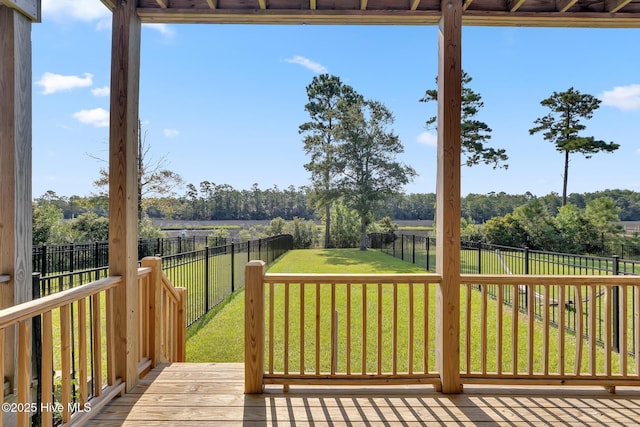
(210, 394)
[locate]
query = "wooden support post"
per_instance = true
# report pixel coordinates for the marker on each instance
(448, 196)
(123, 191)
(154, 313)
(254, 327)
(15, 169)
(181, 326)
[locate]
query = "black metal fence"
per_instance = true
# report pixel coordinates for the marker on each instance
(484, 258)
(68, 258)
(212, 273)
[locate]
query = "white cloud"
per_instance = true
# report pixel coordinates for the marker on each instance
(53, 83)
(101, 91)
(308, 64)
(163, 29)
(80, 10)
(98, 117)
(171, 133)
(428, 139)
(626, 98)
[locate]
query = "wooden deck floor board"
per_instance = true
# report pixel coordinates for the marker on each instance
(210, 394)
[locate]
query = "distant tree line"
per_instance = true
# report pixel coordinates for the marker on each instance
(209, 201)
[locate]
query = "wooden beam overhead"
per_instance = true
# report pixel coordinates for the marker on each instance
(466, 4)
(363, 4)
(313, 4)
(564, 5)
(29, 8)
(371, 17)
(212, 4)
(415, 4)
(615, 5)
(263, 4)
(515, 5)
(163, 3)
(110, 4)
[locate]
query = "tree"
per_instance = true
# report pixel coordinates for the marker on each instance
(474, 133)
(328, 97)
(154, 179)
(562, 127)
(366, 157)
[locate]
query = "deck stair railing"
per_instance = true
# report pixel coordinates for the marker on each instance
(76, 374)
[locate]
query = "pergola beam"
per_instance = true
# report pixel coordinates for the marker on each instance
(212, 4)
(615, 5)
(263, 4)
(564, 5)
(514, 5)
(163, 3)
(415, 4)
(363, 4)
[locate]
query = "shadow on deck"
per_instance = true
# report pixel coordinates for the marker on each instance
(211, 394)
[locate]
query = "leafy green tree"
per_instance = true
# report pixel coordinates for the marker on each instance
(575, 231)
(46, 218)
(505, 230)
(147, 229)
(603, 217)
(328, 98)
(536, 220)
(89, 227)
(367, 158)
(474, 133)
(305, 233)
(345, 228)
(562, 126)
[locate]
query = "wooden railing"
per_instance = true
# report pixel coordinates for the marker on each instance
(523, 336)
(380, 329)
(338, 329)
(162, 317)
(92, 382)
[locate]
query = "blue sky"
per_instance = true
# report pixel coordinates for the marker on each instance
(223, 102)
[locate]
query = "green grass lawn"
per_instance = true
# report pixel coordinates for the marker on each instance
(219, 336)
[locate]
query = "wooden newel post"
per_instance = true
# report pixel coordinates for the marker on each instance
(154, 314)
(181, 326)
(254, 327)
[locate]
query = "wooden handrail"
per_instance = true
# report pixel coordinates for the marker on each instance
(508, 279)
(169, 287)
(351, 278)
(27, 310)
(526, 315)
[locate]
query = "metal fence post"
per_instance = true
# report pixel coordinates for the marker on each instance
(206, 278)
(479, 257)
(615, 302)
(428, 249)
(402, 247)
(233, 268)
(413, 261)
